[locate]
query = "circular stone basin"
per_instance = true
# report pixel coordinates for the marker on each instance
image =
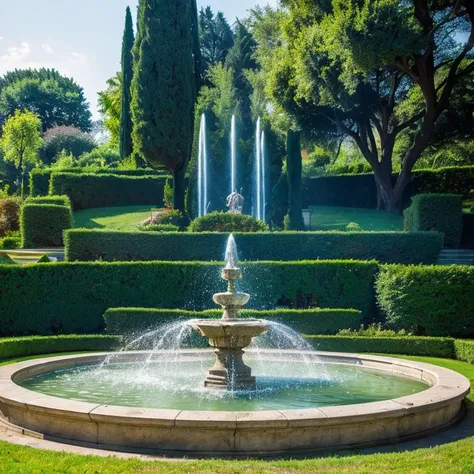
(329, 401)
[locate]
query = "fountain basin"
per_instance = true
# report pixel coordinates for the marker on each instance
(232, 433)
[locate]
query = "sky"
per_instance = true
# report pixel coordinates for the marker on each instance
(80, 38)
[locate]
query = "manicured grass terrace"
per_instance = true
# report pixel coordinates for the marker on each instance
(455, 457)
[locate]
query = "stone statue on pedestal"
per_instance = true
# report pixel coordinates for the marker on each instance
(235, 202)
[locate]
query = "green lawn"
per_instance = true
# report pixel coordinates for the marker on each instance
(113, 218)
(337, 218)
(455, 457)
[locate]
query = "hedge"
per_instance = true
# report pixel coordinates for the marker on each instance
(61, 298)
(10, 243)
(91, 190)
(36, 345)
(359, 190)
(57, 200)
(467, 239)
(125, 321)
(42, 225)
(431, 301)
(387, 247)
(464, 350)
(40, 178)
(436, 212)
(409, 345)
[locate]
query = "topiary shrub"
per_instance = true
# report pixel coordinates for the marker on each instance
(428, 300)
(57, 200)
(9, 216)
(42, 225)
(436, 212)
(10, 243)
(227, 222)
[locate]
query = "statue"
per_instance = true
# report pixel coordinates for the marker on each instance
(235, 203)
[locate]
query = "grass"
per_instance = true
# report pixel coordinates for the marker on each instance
(337, 218)
(456, 457)
(113, 218)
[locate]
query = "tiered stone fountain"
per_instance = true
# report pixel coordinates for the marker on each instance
(231, 334)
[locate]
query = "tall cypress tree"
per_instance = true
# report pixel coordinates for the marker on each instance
(164, 87)
(294, 220)
(126, 145)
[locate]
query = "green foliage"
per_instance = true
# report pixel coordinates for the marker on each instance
(431, 301)
(172, 217)
(42, 91)
(373, 330)
(294, 219)
(100, 158)
(9, 216)
(10, 243)
(57, 200)
(42, 225)
(468, 230)
(464, 350)
(35, 345)
(390, 247)
(110, 107)
(44, 259)
(5, 259)
(436, 212)
(410, 345)
(164, 88)
(126, 321)
(126, 146)
(353, 227)
(72, 297)
(158, 228)
(102, 190)
(168, 193)
(69, 139)
(227, 222)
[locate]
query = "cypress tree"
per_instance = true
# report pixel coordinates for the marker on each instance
(126, 146)
(164, 88)
(294, 219)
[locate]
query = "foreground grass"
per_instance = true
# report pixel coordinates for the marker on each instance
(337, 218)
(456, 457)
(113, 218)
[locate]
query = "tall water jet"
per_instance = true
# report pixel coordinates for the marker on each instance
(233, 155)
(202, 168)
(230, 335)
(263, 166)
(258, 171)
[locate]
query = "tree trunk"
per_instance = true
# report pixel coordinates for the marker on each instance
(179, 189)
(294, 170)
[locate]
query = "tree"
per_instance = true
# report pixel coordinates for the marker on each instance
(110, 106)
(126, 145)
(21, 141)
(164, 88)
(56, 99)
(371, 70)
(294, 219)
(216, 38)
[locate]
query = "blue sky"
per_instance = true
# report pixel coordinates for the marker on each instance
(80, 38)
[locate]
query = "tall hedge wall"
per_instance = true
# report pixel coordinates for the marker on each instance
(436, 212)
(467, 239)
(389, 247)
(40, 178)
(72, 297)
(92, 190)
(359, 190)
(125, 321)
(432, 300)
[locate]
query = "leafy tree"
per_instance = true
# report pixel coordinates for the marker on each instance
(216, 38)
(370, 70)
(126, 145)
(110, 107)
(56, 99)
(21, 141)
(164, 87)
(70, 140)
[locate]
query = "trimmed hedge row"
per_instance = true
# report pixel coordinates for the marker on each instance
(125, 321)
(40, 178)
(467, 239)
(387, 247)
(42, 225)
(57, 200)
(35, 345)
(55, 298)
(360, 191)
(436, 212)
(431, 301)
(92, 190)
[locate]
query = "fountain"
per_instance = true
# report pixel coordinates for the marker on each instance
(202, 169)
(230, 335)
(258, 171)
(233, 155)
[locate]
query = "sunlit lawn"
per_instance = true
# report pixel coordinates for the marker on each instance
(337, 218)
(113, 218)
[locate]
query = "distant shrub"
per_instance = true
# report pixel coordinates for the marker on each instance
(70, 139)
(9, 216)
(436, 212)
(353, 227)
(373, 330)
(227, 222)
(172, 217)
(42, 225)
(158, 228)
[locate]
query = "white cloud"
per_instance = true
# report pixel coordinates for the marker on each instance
(81, 58)
(1, 38)
(47, 48)
(16, 57)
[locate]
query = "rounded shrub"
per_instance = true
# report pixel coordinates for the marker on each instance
(227, 222)
(172, 217)
(68, 138)
(9, 216)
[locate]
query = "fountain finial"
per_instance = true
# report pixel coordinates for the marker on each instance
(231, 255)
